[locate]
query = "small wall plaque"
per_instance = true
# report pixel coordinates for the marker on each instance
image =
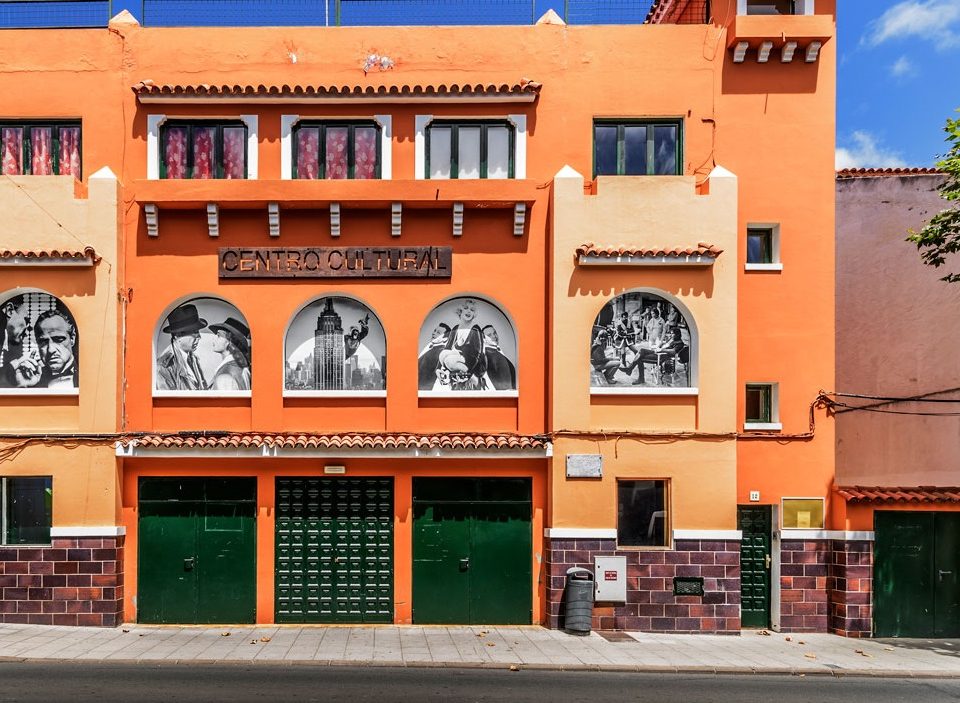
(584, 466)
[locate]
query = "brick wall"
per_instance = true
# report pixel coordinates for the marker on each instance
(803, 585)
(651, 605)
(75, 581)
(850, 586)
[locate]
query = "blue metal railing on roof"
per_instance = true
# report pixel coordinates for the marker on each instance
(260, 13)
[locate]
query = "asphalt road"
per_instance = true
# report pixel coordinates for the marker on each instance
(74, 683)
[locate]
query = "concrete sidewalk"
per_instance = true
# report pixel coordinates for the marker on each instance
(529, 647)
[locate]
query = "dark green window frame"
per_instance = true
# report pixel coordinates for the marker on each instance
(218, 146)
(324, 125)
(760, 397)
(14, 507)
(759, 245)
(454, 126)
(54, 126)
(621, 126)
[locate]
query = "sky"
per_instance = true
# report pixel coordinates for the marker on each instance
(898, 80)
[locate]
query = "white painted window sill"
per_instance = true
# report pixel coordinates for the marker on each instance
(763, 267)
(468, 394)
(40, 391)
(645, 391)
(202, 394)
(334, 394)
(766, 426)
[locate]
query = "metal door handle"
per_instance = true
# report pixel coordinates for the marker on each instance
(767, 561)
(189, 563)
(942, 573)
(465, 564)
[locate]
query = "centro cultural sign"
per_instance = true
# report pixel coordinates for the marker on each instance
(343, 262)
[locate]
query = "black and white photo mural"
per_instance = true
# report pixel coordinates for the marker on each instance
(39, 344)
(203, 346)
(467, 344)
(335, 344)
(640, 340)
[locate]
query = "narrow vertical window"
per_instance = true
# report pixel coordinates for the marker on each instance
(759, 403)
(759, 246)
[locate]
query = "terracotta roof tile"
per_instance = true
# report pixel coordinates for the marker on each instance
(702, 249)
(399, 441)
(876, 172)
(204, 90)
(40, 254)
(899, 494)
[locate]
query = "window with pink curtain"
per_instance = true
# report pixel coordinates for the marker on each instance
(365, 152)
(308, 152)
(69, 155)
(234, 152)
(337, 163)
(204, 152)
(41, 148)
(175, 152)
(11, 159)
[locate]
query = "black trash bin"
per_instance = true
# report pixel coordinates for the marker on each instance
(578, 610)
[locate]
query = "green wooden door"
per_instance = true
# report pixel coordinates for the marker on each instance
(334, 550)
(754, 522)
(472, 545)
(197, 550)
(946, 586)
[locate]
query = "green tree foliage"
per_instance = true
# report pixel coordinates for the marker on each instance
(940, 237)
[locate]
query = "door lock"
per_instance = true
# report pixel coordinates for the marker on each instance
(189, 563)
(766, 560)
(465, 564)
(943, 573)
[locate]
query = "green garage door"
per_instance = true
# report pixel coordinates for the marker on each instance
(472, 551)
(197, 550)
(334, 545)
(917, 574)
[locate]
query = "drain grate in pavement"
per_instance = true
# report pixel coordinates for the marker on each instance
(616, 637)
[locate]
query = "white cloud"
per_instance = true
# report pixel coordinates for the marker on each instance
(932, 20)
(902, 68)
(863, 151)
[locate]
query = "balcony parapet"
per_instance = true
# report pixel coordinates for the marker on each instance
(800, 36)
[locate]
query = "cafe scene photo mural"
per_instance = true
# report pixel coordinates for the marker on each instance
(335, 344)
(640, 340)
(467, 344)
(39, 344)
(202, 346)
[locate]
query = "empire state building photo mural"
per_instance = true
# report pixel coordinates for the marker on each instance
(335, 344)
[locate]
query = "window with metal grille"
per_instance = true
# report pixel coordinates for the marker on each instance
(470, 149)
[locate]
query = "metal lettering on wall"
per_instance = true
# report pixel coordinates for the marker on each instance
(336, 262)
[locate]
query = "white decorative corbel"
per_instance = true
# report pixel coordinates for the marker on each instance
(273, 218)
(396, 211)
(213, 219)
(786, 53)
(458, 219)
(813, 51)
(519, 219)
(763, 53)
(334, 219)
(740, 51)
(152, 215)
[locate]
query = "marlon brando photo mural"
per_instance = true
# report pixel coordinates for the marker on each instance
(39, 343)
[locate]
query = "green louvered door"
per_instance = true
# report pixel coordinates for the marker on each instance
(754, 521)
(334, 547)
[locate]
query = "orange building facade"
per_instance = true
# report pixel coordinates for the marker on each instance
(400, 343)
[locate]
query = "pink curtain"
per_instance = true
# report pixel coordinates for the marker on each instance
(234, 161)
(365, 152)
(11, 157)
(204, 156)
(41, 145)
(70, 151)
(308, 152)
(175, 152)
(337, 152)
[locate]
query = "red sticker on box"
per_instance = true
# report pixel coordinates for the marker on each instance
(609, 575)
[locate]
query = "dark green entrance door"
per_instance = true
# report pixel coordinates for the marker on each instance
(334, 545)
(197, 550)
(917, 565)
(754, 522)
(472, 545)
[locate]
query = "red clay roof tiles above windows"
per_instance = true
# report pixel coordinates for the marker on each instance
(893, 494)
(523, 89)
(702, 249)
(876, 172)
(41, 254)
(398, 441)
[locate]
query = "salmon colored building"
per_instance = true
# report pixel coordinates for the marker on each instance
(411, 324)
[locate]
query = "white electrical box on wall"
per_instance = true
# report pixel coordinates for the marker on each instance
(610, 579)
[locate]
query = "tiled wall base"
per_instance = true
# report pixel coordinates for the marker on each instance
(75, 581)
(850, 586)
(651, 605)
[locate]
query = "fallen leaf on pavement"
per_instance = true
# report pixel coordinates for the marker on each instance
(788, 638)
(126, 630)
(224, 634)
(889, 649)
(764, 633)
(264, 639)
(514, 667)
(801, 642)
(810, 655)
(491, 644)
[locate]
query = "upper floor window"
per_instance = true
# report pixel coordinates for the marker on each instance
(775, 7)
(337, 150)
(636, 148)
(40, 148)
(203, 149)
(470, 149)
